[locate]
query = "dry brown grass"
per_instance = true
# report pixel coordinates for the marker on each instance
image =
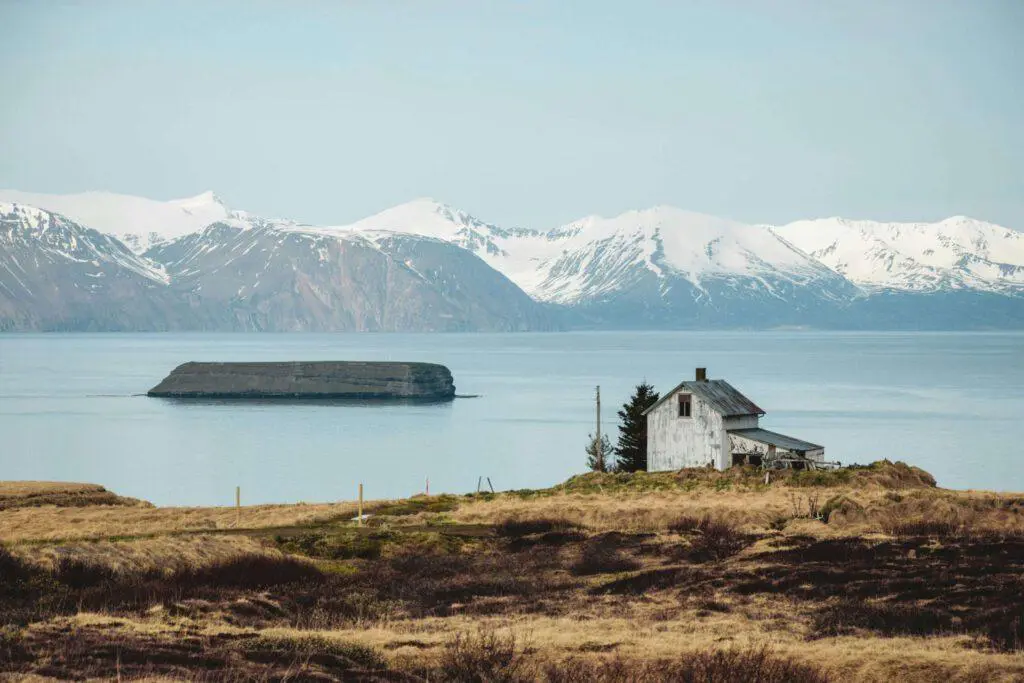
(24, 488)
(866, 511)
(973, 511)
(594, 573)
(30, 494)
(53, 523)
(646, 511)
(860, 659)
(166, 553)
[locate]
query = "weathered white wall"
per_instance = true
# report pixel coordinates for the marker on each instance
(742, 422)
(675, 442)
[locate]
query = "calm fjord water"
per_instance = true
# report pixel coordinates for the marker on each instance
(70, 408)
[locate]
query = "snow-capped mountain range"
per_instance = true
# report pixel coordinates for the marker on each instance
(597, 257)
(953, 254)
(136, 221)
(659, 267)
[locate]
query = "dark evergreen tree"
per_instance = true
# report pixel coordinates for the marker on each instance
(631, 451)
(599, 454)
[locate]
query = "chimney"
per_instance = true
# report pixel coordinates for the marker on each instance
(702, 374)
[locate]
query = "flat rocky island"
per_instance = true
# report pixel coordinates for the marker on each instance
(309, 380)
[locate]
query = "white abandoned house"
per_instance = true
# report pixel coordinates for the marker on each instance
(708, 422)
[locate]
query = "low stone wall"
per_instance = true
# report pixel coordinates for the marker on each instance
(309, 380)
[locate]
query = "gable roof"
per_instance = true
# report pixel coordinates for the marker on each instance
(723, 397)
(764, 436)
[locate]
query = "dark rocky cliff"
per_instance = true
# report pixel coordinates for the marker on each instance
(309, 380)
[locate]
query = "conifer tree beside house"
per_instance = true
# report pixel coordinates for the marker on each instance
(599, 454)
(631, 451)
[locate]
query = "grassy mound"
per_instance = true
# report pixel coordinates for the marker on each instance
(27, 494)
(881, 474)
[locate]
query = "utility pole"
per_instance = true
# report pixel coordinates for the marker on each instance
(598, 444)
(360, 523)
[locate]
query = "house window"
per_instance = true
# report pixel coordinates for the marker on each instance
(684, 405)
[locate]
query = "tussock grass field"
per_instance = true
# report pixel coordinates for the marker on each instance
(863, 574)
(104, 521)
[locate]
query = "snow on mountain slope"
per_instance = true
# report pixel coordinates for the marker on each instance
(674, 245)
(136, 221)
(595, 257)
(58, 275)
(958, 253)
(274, 275)
(48, 235)
(660, 259)
(517, 253)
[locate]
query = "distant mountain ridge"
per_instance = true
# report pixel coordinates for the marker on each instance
(136, 221)
(656, 268)
(58, 275)
(954, 254)
(247, 274)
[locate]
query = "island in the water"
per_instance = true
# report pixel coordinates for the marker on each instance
(309, 380)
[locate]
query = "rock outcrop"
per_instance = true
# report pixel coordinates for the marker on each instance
(309, 380)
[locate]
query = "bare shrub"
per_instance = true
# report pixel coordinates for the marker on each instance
(515, 528)
(248, 571)
(796, 503)
(602, 556)
(847, 616)
(339, 655)
(650, 580)
(921, 527)
(1005, 630)
(813, 506)
(717, 666)
(78, 573)
(708, 605)
(483, 657)
(713, 539)
(685, 524)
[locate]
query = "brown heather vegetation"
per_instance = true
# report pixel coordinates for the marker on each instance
(865, 574)
(36, 494)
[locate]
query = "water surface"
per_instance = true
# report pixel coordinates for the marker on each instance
(71, 409)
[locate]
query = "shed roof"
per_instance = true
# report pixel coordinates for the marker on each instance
(775, 439)
(722, 396)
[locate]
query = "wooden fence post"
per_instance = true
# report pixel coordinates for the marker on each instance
(238, 505)
(360, 504)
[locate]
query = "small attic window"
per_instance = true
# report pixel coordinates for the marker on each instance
(684, 405)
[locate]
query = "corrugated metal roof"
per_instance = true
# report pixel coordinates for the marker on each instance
(722, 396)
(775, 439)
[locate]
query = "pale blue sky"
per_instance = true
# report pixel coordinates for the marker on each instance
(523, 113)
